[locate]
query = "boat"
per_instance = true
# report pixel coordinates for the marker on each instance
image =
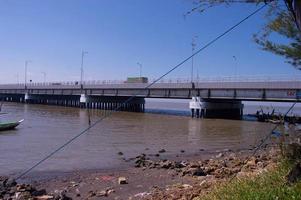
(9, 125)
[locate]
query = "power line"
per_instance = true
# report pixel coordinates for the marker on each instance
(132, 97)
(263, 141)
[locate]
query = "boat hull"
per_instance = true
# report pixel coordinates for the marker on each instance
(10, 125)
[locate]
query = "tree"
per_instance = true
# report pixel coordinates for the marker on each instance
(283, 18)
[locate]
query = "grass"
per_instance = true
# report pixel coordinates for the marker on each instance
(269, 185)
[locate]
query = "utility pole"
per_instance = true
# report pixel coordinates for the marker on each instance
(26, 64)
(140, 69)
(17, 76)
(235, 69)
(197, 75)
(44, 74)
(193, 45)
(82, 68)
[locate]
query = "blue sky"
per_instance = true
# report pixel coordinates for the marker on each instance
(119, 33)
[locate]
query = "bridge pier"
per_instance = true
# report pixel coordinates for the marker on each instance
(216, 108)
(228, 109)
(82, 101)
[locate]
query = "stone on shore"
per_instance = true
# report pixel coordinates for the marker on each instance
(122, 181)
(162, 151)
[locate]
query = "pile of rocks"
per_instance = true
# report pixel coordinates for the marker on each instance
(10, 190)
(222, 166)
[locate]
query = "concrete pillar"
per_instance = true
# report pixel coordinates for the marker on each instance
(223, 109)
(26, 97)
(198, 113)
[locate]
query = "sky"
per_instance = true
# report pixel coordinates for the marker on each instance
(119, 33)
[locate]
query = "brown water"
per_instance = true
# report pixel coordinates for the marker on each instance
(47, 127)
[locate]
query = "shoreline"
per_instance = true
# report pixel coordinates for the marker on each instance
(155, 177)
(129, 162)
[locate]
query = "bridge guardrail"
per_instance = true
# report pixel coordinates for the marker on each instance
(217, 79)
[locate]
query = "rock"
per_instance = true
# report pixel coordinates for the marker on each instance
(166, 164)
(10, 182)
(109, 191)
(186, 186)
(39, 192)
(202, 149)
(44, 197)
(260, 164)
(120, 153)
(142, 194)
(194, 165)
(77, 192)
(122, 180)
(295, 174)
(179, 165)
(3, 181)
(23, 195)
(251, 163)
(102, 193)
(198, 172)
(162, 151)
(182, 151)
(219, 155)
(194, 172)
(61, 195)
(242, 174)
(91, 193)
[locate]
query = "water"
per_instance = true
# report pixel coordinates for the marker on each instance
(47, 127)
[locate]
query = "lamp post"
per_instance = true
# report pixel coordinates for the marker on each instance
(82, 68)
(44, 74)
(17, 76)
(26, 65)
(235, 67)
(140, 69)
(193, 45)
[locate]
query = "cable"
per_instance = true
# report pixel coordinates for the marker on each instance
(132, 97)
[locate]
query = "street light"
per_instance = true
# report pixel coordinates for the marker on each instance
(17, 76)
(235, 69)
(140, 69)
(193, 45)
(26, 64)
(44, 74)
(82, 67)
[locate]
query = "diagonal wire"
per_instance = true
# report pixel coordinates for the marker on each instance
(148, 86)
(263, 141)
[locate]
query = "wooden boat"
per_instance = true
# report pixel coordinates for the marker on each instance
(9, 125)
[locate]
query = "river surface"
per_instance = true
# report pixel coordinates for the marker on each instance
(47, 127)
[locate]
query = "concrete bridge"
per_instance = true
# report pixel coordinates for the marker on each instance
(220, 98)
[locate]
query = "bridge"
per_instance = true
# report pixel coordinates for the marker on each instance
(220, 98)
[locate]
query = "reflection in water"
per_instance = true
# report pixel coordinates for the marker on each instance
(47, 127)
(194, 131)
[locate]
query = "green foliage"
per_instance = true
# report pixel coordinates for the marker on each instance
(280, 21)
(269, 185)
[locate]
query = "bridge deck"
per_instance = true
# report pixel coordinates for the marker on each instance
(258, 91)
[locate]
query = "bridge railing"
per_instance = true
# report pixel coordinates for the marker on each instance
(217, 79)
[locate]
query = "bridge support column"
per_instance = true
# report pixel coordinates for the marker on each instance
(26, 97)
(228, 109)
(83, 101)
